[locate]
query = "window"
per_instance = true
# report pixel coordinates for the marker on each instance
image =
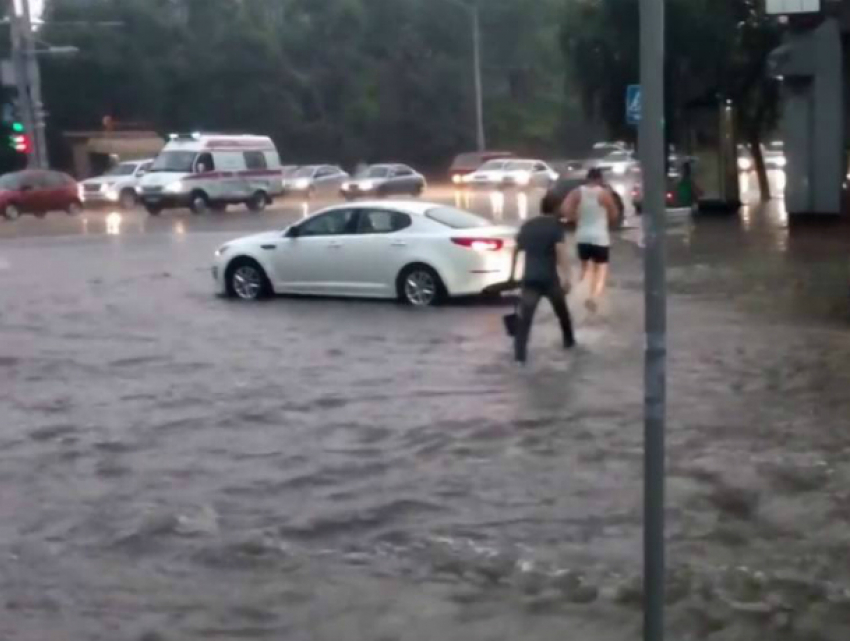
(177, 161)
(124, 169)
(205, 163)
(54, 180)
(403, 171)
(539, 166)
(456, 218)
(324, 172)
(382, 221)
(334, 223)
(10, 182)
(144, 168)
(305, 172)
(255, 160)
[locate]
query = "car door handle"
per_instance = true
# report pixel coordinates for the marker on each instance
(398, 243)
(334, 245)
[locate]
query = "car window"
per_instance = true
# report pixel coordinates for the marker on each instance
(10, 182)
(255, 160)
(456, 218)
(403, 171)
(143, 168)
(539, 166)
(382, 221)
(205, 163)
(333, 223)
(324, 172)
(54, 181)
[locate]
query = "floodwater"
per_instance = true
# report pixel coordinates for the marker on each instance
(174, 466)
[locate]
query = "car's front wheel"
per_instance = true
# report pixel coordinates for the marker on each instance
(258, 202)
(199, 203)
(128, 199)
(420, 286)
(247, 280)
(11, 212)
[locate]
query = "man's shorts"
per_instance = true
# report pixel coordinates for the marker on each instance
(593, 253)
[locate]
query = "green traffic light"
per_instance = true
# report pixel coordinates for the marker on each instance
(17, 127)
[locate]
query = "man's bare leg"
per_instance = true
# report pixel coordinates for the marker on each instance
(599, 278)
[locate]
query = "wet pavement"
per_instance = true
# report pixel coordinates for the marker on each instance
(174, 466)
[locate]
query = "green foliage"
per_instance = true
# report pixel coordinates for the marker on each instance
(343, 80)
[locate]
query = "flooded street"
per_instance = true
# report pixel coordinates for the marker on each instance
(179, 467)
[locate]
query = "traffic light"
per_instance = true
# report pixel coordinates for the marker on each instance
(19, 140)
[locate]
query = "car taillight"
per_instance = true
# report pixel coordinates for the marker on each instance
(669, 195)
(480, 244)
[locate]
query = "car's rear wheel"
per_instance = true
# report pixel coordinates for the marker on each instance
(420, 286)
(75, 208)
(258, 202)
(199, 203)
(11, 212)
(247, 280)
(128, 199)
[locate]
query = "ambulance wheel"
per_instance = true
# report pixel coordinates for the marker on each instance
(199, 203)
(258, 202)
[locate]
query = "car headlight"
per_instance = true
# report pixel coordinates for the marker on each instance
(367, 185)
(619, 169)
(457, 179)
(222, 250)
(346, 186)
(81, 192)
(522, 178)
(302, 183)
(745, 164)
(781, 162)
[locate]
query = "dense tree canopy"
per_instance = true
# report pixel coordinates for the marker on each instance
(342, 80)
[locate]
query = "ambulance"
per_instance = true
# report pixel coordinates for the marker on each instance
(211, 171)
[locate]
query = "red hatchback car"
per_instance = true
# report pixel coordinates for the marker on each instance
(38, 192)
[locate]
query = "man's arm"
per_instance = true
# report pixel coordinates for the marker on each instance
(563, 256)
(606, 199)
(569, 208)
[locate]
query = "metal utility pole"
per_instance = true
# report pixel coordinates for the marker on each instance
(653, 158)
(19, 63)
(34, 81)
(479, 97)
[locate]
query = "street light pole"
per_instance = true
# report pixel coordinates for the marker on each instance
(19, 63)
(653, 159)
(34, 78)
(479, 97)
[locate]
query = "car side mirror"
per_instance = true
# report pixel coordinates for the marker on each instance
(293, 232)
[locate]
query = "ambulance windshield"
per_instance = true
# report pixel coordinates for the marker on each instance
(176, 161)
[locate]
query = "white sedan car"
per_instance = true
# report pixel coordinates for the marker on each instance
(417, 252)
(519, 173)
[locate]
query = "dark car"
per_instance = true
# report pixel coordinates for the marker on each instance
(465, 164)
(384, 180)
(671, 197)
(565, 185)
(38, 192)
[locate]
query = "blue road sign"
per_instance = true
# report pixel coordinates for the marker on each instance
(633, 104)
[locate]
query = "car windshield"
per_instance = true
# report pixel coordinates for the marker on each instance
(374, 172)
(289, 171)
(176, 161)
(618, 156)
(519, 165)
(9, 181)
(305, 172)
(456, 218)
(472, 159)
(492, 165)
(124, 169)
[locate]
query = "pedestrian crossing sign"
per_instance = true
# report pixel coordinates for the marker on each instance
(633, 104)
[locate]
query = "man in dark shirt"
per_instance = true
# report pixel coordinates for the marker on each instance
(547, 273)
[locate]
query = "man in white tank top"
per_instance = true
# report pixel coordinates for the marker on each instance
(594, 211)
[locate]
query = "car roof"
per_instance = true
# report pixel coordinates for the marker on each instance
(414, 207)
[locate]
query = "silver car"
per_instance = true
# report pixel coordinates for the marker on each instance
(314, 180)
(118, 186)
(384, 180)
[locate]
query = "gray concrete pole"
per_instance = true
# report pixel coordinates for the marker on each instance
(653, 159)
(479, 97)
(34, 81)
(25, 111)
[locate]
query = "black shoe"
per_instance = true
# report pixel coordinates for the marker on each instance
(569, 344)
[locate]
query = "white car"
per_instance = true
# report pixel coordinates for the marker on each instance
(417, 252)
(618, 163)
(315, 179)
(513, 173)
(118, 186)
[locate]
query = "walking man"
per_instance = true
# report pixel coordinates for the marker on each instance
(546, 274)
(594, 210)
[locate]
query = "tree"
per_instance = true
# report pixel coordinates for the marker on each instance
(716, 49)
